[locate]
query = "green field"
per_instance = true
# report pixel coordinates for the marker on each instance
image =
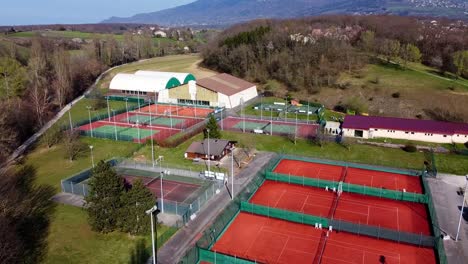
(71, 240)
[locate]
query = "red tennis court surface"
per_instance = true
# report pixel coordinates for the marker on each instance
(178, 110)
(268, 240)
(370, 178)
(357, 208)
(172, 190)
(343, 247)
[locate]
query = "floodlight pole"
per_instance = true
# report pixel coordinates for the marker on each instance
(286, 110)
(209, 157)
(70, 119)
(243, 113)
(152, 145)
(108, 107)
(126, 108)
(222, 121)
(232, 173)
(271, 121)
(161, 173)
(261, 106)
(170, 112)
(92, 157)
(308, 105)
(138, 127)
(139, 110)
(151, 212)
(463, 206)
(295, 131)
(115, 125)
(155, 104)
(89, 116)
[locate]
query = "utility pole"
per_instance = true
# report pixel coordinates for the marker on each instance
(89, 116)
(463, 207)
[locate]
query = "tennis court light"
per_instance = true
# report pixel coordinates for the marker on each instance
(150, 212)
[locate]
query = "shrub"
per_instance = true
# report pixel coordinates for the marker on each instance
(396, 95)
(410, 148)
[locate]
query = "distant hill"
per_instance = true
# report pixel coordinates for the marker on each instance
(225, 12)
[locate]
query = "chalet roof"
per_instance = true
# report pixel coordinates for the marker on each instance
(217, 146)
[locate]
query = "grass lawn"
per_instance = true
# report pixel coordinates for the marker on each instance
(394, 77)
(71, 240)
(455, 164)
(52, 165)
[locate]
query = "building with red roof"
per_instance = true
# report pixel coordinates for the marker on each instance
(402, 128)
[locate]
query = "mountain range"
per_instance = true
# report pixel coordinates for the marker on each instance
(226, 12)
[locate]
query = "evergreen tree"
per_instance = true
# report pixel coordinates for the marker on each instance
(213, 128)
(135, 202)
(104, 198)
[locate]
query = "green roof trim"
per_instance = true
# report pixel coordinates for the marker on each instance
(173, 82)
(189, 77)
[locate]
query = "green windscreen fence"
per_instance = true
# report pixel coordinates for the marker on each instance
(353, 165)
(283, 214)
(439, 243)
(347, 187)
(355, 228)
(218, 258)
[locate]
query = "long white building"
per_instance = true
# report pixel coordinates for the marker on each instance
(408, 129)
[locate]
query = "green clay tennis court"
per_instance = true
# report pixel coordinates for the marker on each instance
(158, 120)
(126, 131)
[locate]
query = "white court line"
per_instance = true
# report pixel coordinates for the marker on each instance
(364, 248)
(282, 250)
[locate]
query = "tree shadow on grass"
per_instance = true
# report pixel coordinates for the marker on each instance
(139, 254)
(24, 216)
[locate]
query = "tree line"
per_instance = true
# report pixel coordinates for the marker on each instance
(309, 54)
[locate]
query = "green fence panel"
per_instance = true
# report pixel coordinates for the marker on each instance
(283, 214)
(218, 258)
(347, 187)
(383, 233)
(354, 165)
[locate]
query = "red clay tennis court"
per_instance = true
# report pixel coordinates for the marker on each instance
(189, 111)
(172, 190)
(343, 247)
(268, 240)
(370, 178)
(357, 208)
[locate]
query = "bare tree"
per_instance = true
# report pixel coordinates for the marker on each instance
(61, 84)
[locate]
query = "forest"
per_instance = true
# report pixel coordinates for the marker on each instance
(309, 54)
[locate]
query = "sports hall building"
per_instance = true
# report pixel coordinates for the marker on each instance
(222, 90)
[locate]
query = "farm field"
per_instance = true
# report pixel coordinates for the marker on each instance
(176, 63)
(391, 90)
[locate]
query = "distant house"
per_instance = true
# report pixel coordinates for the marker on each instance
(407, 129)
(216, 148)
(160, 34)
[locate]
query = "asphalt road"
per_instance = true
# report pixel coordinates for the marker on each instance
(185, 238)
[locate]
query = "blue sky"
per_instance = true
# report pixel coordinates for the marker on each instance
(25, 12)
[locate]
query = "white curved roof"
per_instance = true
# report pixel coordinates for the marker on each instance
(178, 75)
(132, 82)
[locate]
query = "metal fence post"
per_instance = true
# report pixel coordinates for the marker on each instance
(71, 183)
